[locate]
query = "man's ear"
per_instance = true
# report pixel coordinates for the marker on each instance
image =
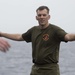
(36, 18)
(49, 17)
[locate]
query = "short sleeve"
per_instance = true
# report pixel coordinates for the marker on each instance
(61, 34)
(27, 36)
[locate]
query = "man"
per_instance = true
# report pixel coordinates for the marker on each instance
(46, 39)
(4, 45)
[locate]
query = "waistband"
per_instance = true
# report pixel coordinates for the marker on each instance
(45, 63)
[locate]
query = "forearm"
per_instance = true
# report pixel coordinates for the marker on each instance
(16, 37)
(70, 37)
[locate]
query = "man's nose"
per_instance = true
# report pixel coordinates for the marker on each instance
(41, 16)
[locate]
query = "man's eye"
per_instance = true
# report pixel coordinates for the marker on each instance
(44, 14)
(41, 15)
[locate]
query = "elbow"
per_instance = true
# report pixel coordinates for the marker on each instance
(19, 38)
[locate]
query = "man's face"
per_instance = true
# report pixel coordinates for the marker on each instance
(42, 17)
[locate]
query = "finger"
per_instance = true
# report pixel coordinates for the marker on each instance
(3, 48)
(5, 44)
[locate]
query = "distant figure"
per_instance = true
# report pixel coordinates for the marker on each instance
(4, 45)
(45, 39)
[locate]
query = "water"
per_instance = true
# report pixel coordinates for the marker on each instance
(17, 61)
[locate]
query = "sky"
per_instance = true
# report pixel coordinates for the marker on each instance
(17, 16)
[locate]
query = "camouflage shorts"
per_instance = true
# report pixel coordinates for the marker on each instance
(48, 69)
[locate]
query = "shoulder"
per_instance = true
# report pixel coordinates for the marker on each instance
(55, 26)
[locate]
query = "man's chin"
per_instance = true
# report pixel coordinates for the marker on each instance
(42, 24)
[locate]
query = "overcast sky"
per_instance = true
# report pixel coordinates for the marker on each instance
(17, 16)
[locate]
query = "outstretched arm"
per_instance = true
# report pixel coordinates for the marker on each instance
(70, 37)
(16, 37)
(4, 45)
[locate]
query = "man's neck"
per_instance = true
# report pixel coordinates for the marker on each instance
(44, 26)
